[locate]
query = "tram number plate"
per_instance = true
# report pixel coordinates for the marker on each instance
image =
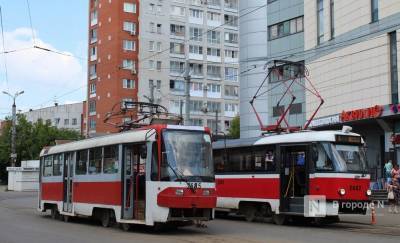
(194, 185)
(355, 188)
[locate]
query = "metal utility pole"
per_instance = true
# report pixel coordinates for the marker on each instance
(13, 155)
(187, 92)
(152, 93)
(216, 121)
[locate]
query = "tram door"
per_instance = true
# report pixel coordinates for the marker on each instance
(67, 182)
(293, 178)
(134, 182)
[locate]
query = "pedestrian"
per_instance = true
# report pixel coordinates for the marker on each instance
(393, 196)
(388, 172)
(396, 173)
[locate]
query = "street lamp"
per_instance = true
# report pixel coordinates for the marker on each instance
(13, 128)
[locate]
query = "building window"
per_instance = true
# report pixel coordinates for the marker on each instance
(287, 71)
(151, 46)
(214, 3)
(127, 103)
(81, 162)
(196, 69)
(151, 64)
(159, 46)
(95, 158)
(296, 108)
(128, 84)
(213, 16)
(177, 67)
(129, 8)
(159, 29)
(374, 11)
(128, 64)
(92, 88)
(159, 65)
(177, 48)
(231, 91)
(320, 21)
(74, 121)
(129, 45)
(195, 86)
(196, 49)
(231, 20)
(213, 52)
(196, 122)
(195, 13)
(93, 18)
(196, 34)
(231, 38)
(213, 37)
(231, 74)
(231, 54)
(196, 105)
(56, 121)
(66, 122)
(158, 86)
(152, 27)
(92, 107)
(177, 11)
(214, 88)
(213, 106)
(177, 85)
(332, 16)
(213, 71)
(130, 27)
(93, 71)
(278, 110)
(285, 28)
(177, 30)
(393, 67)
(151, 7)
(93, 36)
(232, 4)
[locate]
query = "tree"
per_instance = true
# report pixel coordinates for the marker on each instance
(234, 129)
(31, 138)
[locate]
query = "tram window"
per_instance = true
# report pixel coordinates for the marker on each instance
(264, 159)
(81, 162)
(240, 159)
(219, 161)
(323, 163)
(57, 165)
(95, 157)
(111, 160)
(48, 166)
(154, 162)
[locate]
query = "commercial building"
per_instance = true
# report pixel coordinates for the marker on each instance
(352, 55)
(274, 32)
(68, 116)
(138, 52)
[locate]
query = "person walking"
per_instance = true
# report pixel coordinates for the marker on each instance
(396, 173)
(388, 172)
(393, 196)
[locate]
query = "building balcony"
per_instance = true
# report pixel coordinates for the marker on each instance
(231, 60)
(230, 113)
(214, 95)
(198, 21)
(194, 56)
(213, 58)
(197, 93)
(212, 23)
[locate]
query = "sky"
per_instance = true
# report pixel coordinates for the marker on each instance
(45, 77)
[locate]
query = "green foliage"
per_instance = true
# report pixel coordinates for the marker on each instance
(234, 130)
(30, 140)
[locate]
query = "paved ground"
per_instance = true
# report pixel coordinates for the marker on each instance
(19, 222)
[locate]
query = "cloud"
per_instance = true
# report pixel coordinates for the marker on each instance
(36, 67)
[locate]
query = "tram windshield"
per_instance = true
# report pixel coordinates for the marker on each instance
(340, 158)
(187, 155)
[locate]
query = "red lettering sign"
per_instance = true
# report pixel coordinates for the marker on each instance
(371, 112)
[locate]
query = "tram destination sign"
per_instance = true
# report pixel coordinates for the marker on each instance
(348, 139)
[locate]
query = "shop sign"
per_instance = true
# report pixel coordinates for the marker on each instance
(371, 112)
(395, 138)
(330, 120)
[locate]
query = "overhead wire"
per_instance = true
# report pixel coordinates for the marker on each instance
(4, 48)
(30, 23)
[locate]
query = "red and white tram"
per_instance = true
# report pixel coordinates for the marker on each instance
(156, 174)
(274, 174)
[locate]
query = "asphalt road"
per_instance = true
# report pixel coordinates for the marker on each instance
(21, 223)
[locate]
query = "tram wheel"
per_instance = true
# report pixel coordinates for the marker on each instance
(125, 226)
(54, 213)
(250, 213)
(105, 218)
(279, 219)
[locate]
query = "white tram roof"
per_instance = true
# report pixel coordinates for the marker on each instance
(297, 137)
(111, 139)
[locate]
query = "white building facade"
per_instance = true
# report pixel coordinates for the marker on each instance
(206, 33)
(351, 50)
(68, 116)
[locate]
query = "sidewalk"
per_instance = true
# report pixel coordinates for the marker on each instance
(383, 218)
(3, 188)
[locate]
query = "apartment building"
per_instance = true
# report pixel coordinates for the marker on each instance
(352, 54)
(141, 54)
(274, 32)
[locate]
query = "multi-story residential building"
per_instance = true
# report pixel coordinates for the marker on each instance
(68, 116)
(271, 33)
(166, 35)
(352, 54)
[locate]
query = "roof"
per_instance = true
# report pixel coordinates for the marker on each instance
(112, 139)
(298, 137)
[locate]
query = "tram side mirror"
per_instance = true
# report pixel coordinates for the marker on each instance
(143, 151)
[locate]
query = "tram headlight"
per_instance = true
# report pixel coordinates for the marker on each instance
(179, 192)
(342, 191)
(369, 192)
(206, 192)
